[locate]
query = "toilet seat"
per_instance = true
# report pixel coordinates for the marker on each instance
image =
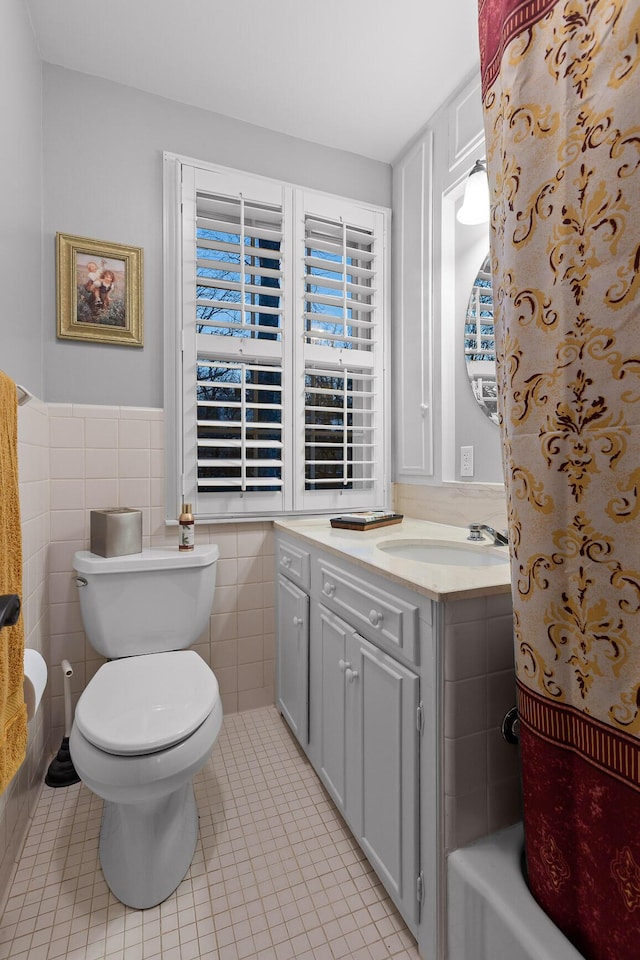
(145, 704)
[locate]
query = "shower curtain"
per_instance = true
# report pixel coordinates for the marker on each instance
(561, 95)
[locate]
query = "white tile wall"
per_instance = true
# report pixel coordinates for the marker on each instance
(456, 503)
(76, 457)
(482, 785)
(104, 457)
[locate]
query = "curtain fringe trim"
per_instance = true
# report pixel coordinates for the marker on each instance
(562, 725)
(497, 30)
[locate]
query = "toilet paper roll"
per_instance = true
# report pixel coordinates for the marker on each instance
(35, 680)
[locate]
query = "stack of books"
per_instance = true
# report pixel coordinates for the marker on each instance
(366, 520)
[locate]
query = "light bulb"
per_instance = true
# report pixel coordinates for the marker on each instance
(475, 206)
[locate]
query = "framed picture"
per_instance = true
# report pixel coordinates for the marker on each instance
(99, 291)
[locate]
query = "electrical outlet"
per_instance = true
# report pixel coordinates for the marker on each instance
(466, 461)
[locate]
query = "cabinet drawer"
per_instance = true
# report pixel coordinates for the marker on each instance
(386, 620)
(293, 562)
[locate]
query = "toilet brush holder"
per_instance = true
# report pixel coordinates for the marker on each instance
(61, 772)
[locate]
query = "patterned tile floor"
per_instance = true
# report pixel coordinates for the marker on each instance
(276, 874)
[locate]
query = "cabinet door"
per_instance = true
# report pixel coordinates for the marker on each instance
(382, 766)
(332, 634)
(413, 364)
(293, 657)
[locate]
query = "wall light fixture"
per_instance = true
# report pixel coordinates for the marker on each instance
(475, 206)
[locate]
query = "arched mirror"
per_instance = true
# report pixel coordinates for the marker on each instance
(480, 344)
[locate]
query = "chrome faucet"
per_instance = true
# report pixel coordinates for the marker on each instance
(476, 531)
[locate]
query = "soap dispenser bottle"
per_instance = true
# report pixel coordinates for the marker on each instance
(186, 528)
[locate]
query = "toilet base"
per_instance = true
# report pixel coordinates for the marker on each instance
(146, 848)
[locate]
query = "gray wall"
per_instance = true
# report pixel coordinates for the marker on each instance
(103, 146)
(20, 198)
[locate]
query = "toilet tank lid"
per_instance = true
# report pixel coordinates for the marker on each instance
(153, 559)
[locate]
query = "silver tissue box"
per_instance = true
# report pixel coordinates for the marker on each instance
(116, 532)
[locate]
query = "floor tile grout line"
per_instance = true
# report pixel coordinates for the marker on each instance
(275, 870)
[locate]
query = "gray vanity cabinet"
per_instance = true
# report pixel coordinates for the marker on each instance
(382, 748)
(292, 661)
(366, 743)
(293, 657)
(350, 683)
(405, 698)
(328, 701)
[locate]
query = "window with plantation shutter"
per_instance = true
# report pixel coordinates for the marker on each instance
(343, 353)
(339, 438)
(280, 325)
(239, 426)
(339, 270)
(480, 341)
(238, 269)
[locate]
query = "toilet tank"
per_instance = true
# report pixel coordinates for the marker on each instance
(149, 602)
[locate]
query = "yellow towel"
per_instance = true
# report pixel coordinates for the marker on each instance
(13, 712)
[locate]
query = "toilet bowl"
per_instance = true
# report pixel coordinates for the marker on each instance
(138, 746)
(147, 721)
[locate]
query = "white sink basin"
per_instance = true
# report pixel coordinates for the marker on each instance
(446, 552)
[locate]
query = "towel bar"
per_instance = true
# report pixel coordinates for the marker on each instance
(24, 395)
(9, 609)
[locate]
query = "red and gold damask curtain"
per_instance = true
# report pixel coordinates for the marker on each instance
(561, 89)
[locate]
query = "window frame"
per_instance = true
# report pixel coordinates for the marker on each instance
(178, 250)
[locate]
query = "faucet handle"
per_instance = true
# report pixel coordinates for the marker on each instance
(475, 532)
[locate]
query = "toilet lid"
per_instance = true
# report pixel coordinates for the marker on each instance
(143, 704)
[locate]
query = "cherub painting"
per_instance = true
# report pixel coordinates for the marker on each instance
(101, 286)
(99, 291)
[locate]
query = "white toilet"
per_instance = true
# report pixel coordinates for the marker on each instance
(148, 720)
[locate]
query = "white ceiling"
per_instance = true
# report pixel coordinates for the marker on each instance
(359, 75)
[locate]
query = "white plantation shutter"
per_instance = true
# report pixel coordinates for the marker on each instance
(239, 422)
(239, 275)
(282, 382)
(233, 323)
(342, 321)
(480, 341)
(479, 334)
(339, 429)
(339, 272)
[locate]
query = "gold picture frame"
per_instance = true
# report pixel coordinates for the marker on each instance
(99, 291)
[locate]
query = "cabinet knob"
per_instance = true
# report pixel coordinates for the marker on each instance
(344, 665)
(286, 561)
(329, 589)
(375, 618)
(298, 621)
(351, 675)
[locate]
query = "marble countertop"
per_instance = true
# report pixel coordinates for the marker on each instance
(438, 581)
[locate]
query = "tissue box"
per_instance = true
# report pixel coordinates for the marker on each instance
(116, 532)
